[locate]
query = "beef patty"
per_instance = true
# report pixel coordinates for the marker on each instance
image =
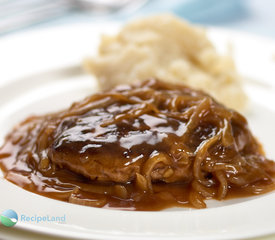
(151, 127)
(147, 146)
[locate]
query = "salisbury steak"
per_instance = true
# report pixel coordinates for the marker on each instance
(110, 136)
(144, 147)
(152, 129)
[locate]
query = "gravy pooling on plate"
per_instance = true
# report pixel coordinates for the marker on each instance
(148, 146)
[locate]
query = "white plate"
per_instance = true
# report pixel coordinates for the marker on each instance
(40, 72)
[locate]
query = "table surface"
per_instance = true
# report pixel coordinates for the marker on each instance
(254, 16)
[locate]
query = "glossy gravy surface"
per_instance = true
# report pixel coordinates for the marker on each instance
(145, 147)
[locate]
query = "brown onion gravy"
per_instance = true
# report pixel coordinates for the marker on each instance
(148, 147)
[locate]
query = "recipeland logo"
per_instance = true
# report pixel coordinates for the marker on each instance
(9, 218)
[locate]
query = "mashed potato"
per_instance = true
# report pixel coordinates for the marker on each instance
(171, 50)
